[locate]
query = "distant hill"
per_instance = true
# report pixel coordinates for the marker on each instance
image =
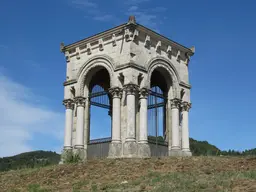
(203, 148)
(43, 158)
(29, 160)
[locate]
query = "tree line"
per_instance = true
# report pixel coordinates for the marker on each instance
(35, 159)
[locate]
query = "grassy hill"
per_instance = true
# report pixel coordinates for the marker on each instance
(44, 158)
(29, 160)
(198, 173)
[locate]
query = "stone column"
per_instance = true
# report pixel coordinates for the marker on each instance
(86, 125)
(79, 144)
(69, 104)
(185, 130)
(143, 147)
(130, 146)
(143, 137)
(175, 148)
(169, 123)
(115, 147)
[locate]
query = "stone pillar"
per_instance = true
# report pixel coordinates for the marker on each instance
(79, 144)
(143, 147)
(115, 148)
(86, 125)
(130, 145)
(185, 129)
(175, 148)
(69, 104)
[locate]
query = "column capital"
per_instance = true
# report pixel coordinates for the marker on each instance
(131, 88)
(116, 92)
(175, 103)
(68, 103)
(144, 93)
(80, 101)
(185, 106)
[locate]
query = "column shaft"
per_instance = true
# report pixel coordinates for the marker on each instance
(143, 137)
(131, 90)
(116, 93)
(169, 118)
(80, 122)
(116, 121)
(175, 125)
(68, 123)
(86, 124)
(131, 117)
(185, 128)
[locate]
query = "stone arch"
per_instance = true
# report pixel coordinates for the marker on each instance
(102, 61)
(172, 78)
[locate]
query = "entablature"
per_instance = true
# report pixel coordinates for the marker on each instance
(128, 32)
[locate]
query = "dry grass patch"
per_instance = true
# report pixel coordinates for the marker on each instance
(165, 174)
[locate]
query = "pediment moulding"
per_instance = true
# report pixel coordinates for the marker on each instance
(129, 32)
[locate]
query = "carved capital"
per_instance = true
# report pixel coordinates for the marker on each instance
(131, 89)
(69, 103)
(116, 92)
(144, 93)
(80, 101)
(185, 106)
(175, 103)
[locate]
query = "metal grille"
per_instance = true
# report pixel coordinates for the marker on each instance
(99, 97)
(156, 117)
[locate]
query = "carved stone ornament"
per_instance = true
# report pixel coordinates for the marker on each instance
(131, 89)
(114, 40)
(147, 41)
(78, 53)
(144, 93)
(101, 44)
(116, 92)
(175, 103)
(88, 49)
(127, 34)
(69, 103)
(67, 56)
(80, 101)
(185, 106)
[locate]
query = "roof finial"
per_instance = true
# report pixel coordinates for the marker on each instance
(62, 46)
(132, 19)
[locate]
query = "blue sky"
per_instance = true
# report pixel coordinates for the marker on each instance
(32, 69)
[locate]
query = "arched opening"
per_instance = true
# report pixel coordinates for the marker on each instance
(160, 83)
(99, 106)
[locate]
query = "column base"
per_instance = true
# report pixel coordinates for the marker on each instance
(186, 153)
(144, 150)
(66, 154)
(175, 153)
(79, 155)
(115, 150)
(130, 149)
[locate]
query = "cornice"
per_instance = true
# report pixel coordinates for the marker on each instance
(164, 39)
(130, 31)
(130, 65)
(70, 82)
(183, 84)
(96, 37)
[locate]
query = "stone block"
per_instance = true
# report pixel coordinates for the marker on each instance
(115, 150)
(130, 149)
(175, 153)
(144, 150)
